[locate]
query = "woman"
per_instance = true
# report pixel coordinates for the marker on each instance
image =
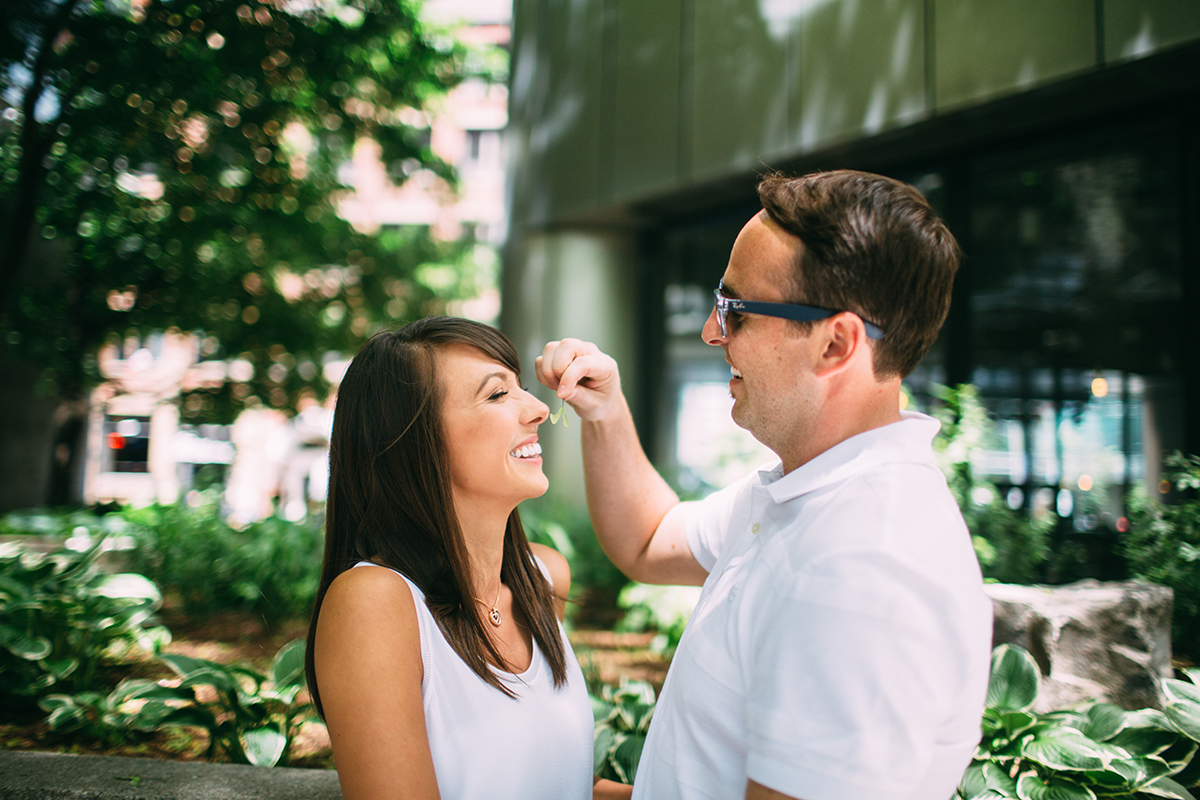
(434, 654)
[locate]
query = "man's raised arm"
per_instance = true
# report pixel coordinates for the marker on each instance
(635, 513)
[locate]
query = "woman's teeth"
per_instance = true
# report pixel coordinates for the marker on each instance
(735, 371)
(528, 451)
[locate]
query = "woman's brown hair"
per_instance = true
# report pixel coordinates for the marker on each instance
(389, 499)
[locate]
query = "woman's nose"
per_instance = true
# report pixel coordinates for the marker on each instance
(537, 412)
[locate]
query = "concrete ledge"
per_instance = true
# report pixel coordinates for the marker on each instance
(60, 776)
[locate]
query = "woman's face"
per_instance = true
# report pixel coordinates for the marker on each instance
(490, 425)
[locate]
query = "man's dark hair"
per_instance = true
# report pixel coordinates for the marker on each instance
(871, 245)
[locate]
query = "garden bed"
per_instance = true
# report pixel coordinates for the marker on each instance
(229, 637)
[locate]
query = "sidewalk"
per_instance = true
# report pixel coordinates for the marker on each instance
(58, 776)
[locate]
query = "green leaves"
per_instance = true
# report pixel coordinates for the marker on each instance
(622, 720)
(1183, 705)
(1032, 787)
(162, 184)
(61, 617)
(1164, 540)
(270, 567)
(1070, 750)
(560, 414)
(21, 645)
(1091, 752)
(250, 717)
(264, 747)
(1014, 681)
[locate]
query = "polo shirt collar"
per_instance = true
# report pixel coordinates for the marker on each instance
(909, 440)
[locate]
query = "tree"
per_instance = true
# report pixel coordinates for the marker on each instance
(175, 165)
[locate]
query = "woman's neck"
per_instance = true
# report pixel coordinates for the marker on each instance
(483, 533)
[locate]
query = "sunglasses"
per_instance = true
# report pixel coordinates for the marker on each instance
(794, 311)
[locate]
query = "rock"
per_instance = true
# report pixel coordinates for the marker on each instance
(1092, 640)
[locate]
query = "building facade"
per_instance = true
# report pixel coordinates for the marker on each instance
(1059, 140)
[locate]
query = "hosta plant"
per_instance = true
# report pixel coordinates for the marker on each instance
(250, 717)
(622, 720)
(61, 617)
(1090, 752)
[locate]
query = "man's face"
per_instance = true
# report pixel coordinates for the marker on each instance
(771, 362)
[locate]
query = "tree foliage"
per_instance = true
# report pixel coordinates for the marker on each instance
(176, 165)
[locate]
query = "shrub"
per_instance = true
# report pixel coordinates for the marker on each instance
(1095, 751)
(1012, 547)
(1163, 544)
(622, 719)
(1090, 752)
(663, 609)
(270, 567)
(595, 581)
(251, 718)
(61, 616)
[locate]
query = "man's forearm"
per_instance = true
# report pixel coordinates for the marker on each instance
(626, 497)
(630, 504)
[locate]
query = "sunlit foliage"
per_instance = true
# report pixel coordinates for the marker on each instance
(176, 165)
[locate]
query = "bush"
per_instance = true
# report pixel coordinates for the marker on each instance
(663, 609)
(595, 581)
(270, 567)
(61, 617)
(622, 720)
(1095, 751)
(1163, 545)
(251, 718)
(1011, 546)
(1090, 752)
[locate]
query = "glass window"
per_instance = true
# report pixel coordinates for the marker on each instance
(126, 444)
(1075, 297)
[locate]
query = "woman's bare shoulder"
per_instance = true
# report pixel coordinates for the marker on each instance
(556, 563)
(371, 601)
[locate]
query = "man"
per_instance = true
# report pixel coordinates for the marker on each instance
(840, 647)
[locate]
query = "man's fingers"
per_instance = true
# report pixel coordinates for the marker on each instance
(540, 373)
(557, 358)
(543, 366)
(581, 369)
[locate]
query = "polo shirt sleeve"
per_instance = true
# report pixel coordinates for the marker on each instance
(845, 682)
(707, 522)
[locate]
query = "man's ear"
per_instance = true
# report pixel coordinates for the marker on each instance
(844, 336)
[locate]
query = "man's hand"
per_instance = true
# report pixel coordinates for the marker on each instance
(582, 375)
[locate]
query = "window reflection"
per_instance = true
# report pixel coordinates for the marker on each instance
(1075, 296)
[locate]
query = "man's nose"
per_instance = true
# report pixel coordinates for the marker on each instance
(711, 333)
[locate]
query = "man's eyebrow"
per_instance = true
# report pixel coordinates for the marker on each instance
(497, 374)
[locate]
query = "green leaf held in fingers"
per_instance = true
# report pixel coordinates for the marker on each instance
(560, 414)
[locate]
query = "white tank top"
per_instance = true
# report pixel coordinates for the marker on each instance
(537, 746)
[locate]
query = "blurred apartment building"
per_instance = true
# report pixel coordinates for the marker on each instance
(137, 449)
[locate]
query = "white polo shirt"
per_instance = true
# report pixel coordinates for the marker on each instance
(841, 644)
